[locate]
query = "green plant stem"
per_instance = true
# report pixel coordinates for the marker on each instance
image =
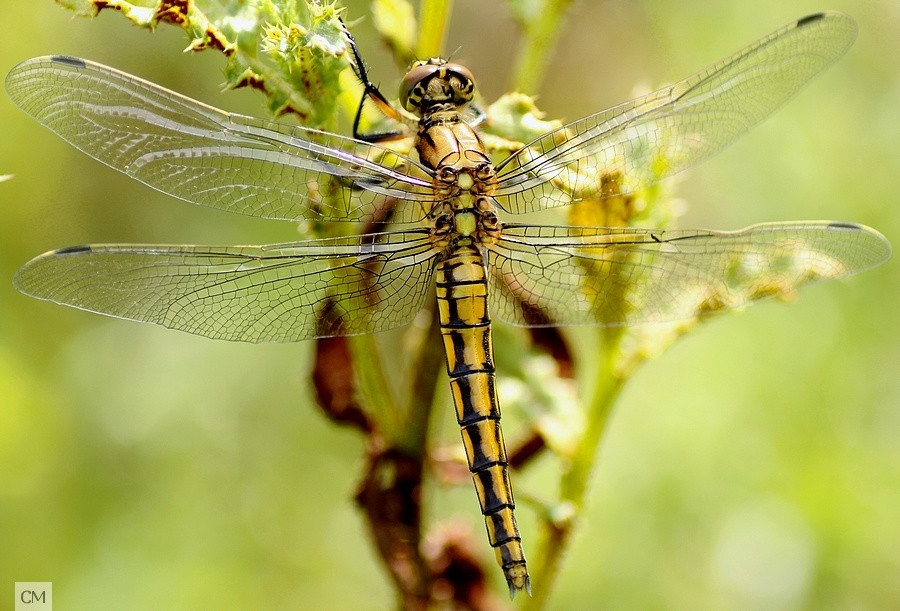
(433, 21)
(375, 386)
(425, 372)
(540, 31)
(556, 533)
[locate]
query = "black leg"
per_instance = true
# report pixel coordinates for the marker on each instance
(370, 91)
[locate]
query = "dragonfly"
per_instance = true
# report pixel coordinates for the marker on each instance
(449, 233)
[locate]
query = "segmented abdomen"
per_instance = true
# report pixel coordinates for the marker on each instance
(466, 332)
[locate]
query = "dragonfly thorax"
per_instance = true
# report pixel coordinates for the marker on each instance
(453, 150)
(465, 218)
(463, 177)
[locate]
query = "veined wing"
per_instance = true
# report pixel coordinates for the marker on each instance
(277, 293)
(655, 136)
(543, 275)
(206, 156)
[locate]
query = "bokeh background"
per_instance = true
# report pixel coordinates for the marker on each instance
(755, 465)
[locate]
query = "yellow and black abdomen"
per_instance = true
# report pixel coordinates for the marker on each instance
(466, 332)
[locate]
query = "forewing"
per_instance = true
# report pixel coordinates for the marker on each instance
(543, 275)
(278, 293)
(213, 158)
(655, 136)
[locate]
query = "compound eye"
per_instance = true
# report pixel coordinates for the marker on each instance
(461, 82)
(412, 88)
(435, 82)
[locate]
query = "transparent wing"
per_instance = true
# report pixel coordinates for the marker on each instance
(657, 135)
(210, 157)
(277, 293)
(542, 275)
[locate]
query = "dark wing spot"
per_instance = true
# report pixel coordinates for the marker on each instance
(809, 19)
(850, 226)
(72, 250)
(69, 61)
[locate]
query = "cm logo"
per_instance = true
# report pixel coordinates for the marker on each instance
(34, 595)
(29, 597)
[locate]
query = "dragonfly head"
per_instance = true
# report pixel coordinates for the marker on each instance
(436, 82)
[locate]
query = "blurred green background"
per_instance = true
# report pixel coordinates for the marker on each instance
(755, 465)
